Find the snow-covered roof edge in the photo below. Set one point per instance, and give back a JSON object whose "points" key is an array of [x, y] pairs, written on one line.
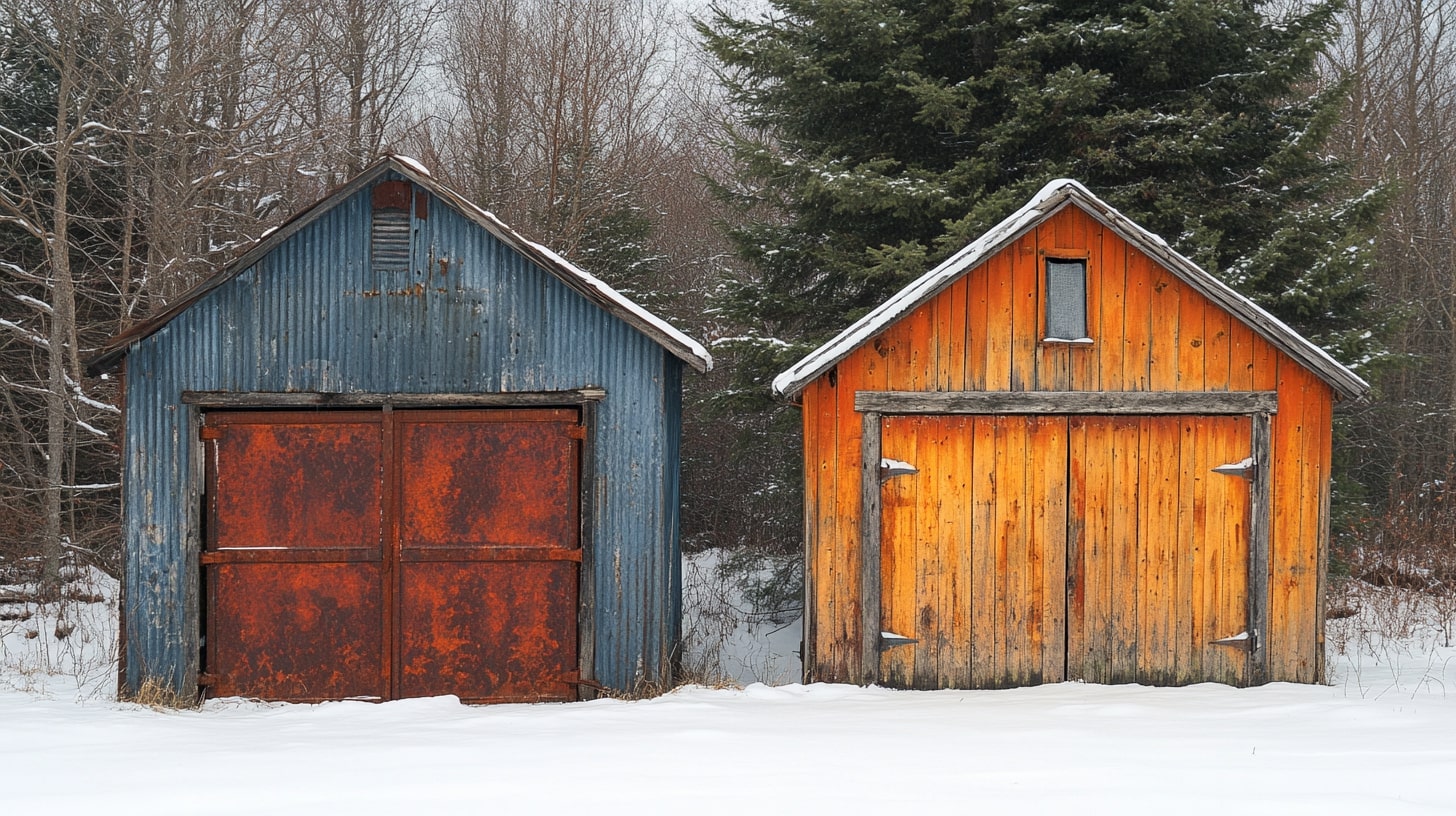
{"points": [[593, 288], [1043, 205]]}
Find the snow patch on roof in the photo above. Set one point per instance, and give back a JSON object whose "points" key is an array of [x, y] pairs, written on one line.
{"points": [[630, 305], [413, 164]]}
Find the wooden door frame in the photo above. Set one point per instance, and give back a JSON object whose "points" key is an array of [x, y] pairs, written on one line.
{"points": [[585, 400], [872, 406]]}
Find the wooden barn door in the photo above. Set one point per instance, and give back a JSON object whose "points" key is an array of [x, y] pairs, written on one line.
{"points": [[392, 554], [1030, 549], [973, 567], [1160, 563]]}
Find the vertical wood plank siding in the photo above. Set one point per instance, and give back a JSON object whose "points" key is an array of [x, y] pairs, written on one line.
{"points": [[1151, 332], [471, 316]]}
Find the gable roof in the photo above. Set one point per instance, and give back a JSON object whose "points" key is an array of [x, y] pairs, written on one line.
{"points": [[584, 283], [1052, 198]]}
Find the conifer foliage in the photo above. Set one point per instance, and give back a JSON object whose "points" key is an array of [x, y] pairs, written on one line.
{"points": [[878, 136]]}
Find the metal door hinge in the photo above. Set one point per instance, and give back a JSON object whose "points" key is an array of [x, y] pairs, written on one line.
{"points": [[576, 431], [889, 640], [1247, 469], [890, 468], [1247, 641], [209, 432]]}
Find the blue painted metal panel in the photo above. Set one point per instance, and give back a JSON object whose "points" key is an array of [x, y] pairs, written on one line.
{"points": [[471, 316]]}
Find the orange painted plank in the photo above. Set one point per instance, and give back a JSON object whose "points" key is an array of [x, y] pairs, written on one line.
{"points": [[985, 579], [1267, 361], [1217, 347], [998, 320], [1192, 339], [1194, 520], [1185, 546], [1165, 333], [1222, 525], [930, 483], [977, 328], [818, 407], [1137, 322], [1125, 498], [1025, 295], [837, 654], [1010, 484], [1052, 562], [951, 318], [1026, 556], [1241, 356], [1111, 289], [955, 554], [1080, 578], [897, 551]]}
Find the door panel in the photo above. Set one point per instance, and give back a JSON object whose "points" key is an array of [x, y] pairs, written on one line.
{"points": [[491, 631], [489, 554], [291, 631], [1032, 549], [973, 571], [1160, 554], [293, 561]]}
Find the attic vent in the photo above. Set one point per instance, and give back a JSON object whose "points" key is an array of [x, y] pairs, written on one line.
{"points": [[389, 231]]}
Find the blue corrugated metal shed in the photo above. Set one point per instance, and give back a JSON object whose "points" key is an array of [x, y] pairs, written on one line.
{"points": [[305, 314]]}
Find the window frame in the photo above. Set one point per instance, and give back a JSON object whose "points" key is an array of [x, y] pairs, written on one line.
{"points": [[1071, 256]]}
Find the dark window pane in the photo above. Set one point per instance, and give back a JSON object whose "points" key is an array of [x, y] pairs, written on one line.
{"points": [[1066, 305]]}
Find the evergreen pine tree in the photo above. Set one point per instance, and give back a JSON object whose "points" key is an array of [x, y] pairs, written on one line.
{"points": [[878, 136]]}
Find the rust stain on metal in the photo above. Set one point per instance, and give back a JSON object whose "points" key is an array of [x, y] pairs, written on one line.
{"points": [[391, 195], [288, 480]]}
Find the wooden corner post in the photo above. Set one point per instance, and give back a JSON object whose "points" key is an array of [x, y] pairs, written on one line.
{"points": [[869, 542]]}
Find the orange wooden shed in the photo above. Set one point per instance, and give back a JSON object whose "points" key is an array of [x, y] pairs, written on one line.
{"points": [[1066, 453]]}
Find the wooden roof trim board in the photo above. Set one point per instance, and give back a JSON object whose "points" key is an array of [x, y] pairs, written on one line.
{"points": [[584, 283], [1046, 203]]}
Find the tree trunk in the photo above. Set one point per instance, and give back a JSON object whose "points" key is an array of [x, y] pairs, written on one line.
{"points": [[62, 346]]}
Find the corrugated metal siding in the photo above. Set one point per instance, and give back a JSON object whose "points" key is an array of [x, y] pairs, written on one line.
{"points": [[471, 316]]}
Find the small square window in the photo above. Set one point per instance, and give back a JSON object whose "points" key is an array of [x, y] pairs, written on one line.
{"points": [[1066, 301]]}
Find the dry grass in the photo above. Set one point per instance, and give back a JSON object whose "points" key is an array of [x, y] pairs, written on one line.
{"points": [[156, 695]]}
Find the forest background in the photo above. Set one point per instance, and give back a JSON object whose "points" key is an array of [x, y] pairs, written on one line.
{"points": [[144, 142]]}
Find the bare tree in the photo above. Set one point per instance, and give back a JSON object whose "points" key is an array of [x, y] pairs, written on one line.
{"points": [[358, 62], [56, 214]]}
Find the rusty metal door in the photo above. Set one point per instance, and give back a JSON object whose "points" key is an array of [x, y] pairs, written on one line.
{"points": [[293, 566], [392, 554], [489, 554]]}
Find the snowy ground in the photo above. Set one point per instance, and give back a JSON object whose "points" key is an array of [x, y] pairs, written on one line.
{"points": [[1380, 739]]}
